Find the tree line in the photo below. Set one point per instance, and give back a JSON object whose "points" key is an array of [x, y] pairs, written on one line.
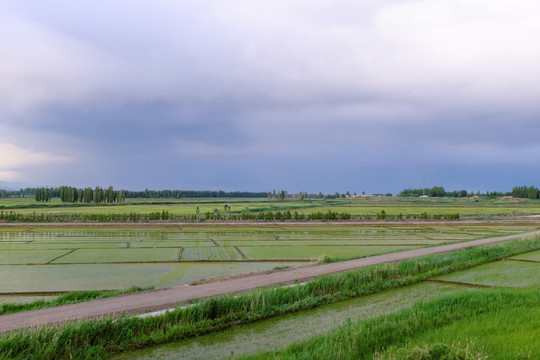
{"points": [[99, 195], [28, 192], [88, 195], [177, 194], [436, 191], [43, 194], [525, 192]]}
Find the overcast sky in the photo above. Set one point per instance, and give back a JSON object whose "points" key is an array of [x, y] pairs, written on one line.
{"points": [[303, 95]]}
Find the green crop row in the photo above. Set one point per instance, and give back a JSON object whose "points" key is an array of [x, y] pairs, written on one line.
{"points": [[98, 339], [164, 215]]}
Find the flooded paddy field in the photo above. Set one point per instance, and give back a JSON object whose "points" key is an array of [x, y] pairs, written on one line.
{"points": [[36, 261]]}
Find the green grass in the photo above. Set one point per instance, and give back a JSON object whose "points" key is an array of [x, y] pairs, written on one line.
{"points": [[468, 207], [98, 338], [465, 313], [511, 333]]}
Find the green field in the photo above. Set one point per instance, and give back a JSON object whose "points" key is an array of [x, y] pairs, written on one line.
{"points": [[471, 207], [36, 260]]}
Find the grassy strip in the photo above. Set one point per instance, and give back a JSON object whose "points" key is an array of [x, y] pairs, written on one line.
{"points": [[64, 299], [367, 339], [97, 339], [506, 334]]}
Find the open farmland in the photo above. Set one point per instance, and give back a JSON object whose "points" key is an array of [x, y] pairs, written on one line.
{"points": [[185, 209], [211, 314], [277, 333], [43, 260]]}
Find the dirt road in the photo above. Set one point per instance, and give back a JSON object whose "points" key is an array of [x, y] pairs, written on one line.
{"points": [[168, 297]]}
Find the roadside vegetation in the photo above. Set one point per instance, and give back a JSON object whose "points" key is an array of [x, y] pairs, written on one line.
{"points": [[64, 299], [96, 339]]}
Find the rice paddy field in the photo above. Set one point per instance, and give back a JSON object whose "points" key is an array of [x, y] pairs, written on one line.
{"points": [[507, 334], [37, 261]]}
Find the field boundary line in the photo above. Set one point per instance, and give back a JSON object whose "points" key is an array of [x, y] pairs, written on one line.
{"points": [[61, 256], [524, 260], [180, 253], [462, 283], [240, 252]]}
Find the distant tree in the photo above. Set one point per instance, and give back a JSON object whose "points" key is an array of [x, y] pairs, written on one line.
{"points": [[110, 194], [99, 195], [38, 195], [120, 196]]}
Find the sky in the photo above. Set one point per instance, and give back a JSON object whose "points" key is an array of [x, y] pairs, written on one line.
{"points": [[255, 95]]}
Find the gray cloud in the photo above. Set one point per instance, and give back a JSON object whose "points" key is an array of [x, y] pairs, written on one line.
{"points": [[249, 94]]}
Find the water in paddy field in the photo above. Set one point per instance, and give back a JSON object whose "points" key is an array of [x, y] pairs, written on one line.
{"points": [[276, 333], [37, 260]]}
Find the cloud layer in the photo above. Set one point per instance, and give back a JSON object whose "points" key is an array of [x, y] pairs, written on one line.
{"points": [[319, 95]]}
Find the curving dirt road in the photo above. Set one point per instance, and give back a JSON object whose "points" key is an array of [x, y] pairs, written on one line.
{"points": [[168, 297]]}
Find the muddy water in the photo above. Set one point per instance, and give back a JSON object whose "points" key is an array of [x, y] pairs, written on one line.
{"points": [[277, 333]]}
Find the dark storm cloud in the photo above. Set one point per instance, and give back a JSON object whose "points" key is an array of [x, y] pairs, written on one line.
{"points": [[157, 123], [317, 96]]}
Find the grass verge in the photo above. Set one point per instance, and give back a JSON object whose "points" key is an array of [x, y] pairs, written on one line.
{"points": [[445, 319], [98, 339]]}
